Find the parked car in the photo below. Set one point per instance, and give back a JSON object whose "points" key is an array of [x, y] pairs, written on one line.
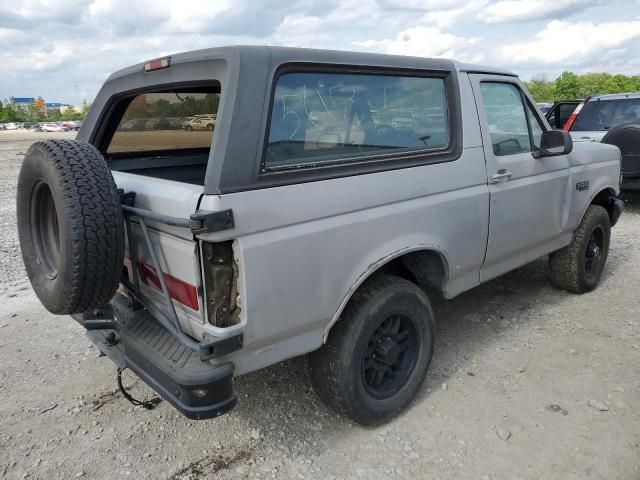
{"points": [[275, 242], [52, 127], [558, 114], [200, 122], [544, 107], [134, 124], [612, 119], [158, 123]]}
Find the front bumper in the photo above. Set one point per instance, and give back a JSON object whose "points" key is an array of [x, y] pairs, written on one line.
{"points": [[139, 342]]}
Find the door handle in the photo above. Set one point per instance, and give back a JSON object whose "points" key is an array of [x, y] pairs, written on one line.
{"points": [[501, 176]]}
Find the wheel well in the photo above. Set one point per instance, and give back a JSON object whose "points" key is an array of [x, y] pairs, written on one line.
{"points": [[603, 198], [425, 268]]}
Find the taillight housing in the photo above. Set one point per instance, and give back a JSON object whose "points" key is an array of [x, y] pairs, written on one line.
{"points": [[179, 290], [157, 64], [572, 118]]}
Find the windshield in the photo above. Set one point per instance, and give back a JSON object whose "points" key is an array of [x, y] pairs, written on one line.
{"points": [[602, 115], [166, 121]]}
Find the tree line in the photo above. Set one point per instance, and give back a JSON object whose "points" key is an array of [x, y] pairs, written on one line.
{"points": [[570, 86], [31, 114]]}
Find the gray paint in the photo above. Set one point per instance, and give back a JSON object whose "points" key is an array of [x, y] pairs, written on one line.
{"points": [[304, 247]]}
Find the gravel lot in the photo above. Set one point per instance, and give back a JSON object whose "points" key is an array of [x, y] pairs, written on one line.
{"points": [[526, 382]]}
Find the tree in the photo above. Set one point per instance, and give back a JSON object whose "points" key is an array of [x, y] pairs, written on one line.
{"points": [[571, 86], [567, 86], [541, 89]]}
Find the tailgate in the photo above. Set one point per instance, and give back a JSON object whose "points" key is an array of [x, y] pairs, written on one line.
{"points": [[174, 246]]}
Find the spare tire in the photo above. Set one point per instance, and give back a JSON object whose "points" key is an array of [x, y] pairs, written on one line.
{"points": [[627, 138], [70, 225]]}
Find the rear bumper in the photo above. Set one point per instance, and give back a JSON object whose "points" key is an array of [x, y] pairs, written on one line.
{"points": [[140, 343]]}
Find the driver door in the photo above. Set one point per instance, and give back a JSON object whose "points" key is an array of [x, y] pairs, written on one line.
{"points": [[529, 197]]}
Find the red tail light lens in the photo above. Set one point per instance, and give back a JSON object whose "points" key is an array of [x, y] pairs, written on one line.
{"points": [[572, 118], [157, 64], [179, 290]]}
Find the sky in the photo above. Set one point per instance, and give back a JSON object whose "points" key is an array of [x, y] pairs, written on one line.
{"points": [[64, 50]]}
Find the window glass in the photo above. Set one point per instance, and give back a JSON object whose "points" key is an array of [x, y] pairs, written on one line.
{"points": [[506, 118], [166, 121], [536, 127], [599, 115], [320, 117], [565, 112]]}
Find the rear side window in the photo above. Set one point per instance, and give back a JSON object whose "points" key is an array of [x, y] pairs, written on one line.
{"points": [[166, 122], [599, 115], [332, 117]]}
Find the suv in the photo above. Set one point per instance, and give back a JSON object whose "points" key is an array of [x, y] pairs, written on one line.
{"points": [[200, 122], [337, 194], [612, 119]]}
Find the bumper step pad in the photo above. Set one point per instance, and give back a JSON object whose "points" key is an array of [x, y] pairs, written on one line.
{"points": [[198, 390]]}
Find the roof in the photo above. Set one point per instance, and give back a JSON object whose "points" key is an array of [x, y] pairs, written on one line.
{"points": [[56, 105], [298, 55], [615, 96], [23, 99]]}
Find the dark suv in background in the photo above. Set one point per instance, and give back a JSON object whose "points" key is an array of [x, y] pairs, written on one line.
{"points": [[612, 119]]}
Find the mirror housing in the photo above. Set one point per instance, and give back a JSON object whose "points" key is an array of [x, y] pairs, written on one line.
{"points": [[554, 142]]}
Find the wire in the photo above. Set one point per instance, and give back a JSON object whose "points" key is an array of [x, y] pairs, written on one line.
{"points": [[147, 404]]}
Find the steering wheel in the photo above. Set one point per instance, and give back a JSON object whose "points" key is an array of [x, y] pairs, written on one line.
{"points": [[508, 140]]}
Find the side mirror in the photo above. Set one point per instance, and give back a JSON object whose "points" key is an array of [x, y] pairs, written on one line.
{"points": [[554, 142]]}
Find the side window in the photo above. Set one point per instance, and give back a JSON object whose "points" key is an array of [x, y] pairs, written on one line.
{"points": [[333, 117], [536, 127], [506, 118]]}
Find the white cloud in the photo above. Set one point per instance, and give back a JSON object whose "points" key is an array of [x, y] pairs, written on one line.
{"points": [[562, 42], [426, 42], [49, 46], [529, 10]]}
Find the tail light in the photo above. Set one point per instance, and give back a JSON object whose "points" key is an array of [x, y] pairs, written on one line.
{"points": [[572, 118], [157, 64], [179, 290]]}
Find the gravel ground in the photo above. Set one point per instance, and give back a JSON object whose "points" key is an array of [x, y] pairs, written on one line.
{"points": [[526, 382]]}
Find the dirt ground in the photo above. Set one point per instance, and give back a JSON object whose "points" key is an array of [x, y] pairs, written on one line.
{"points": [[527, 382]]}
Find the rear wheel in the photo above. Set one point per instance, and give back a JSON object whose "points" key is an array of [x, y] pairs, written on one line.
{"points": [[578, 267], [378, 353], [210, 127], [188, 128]]}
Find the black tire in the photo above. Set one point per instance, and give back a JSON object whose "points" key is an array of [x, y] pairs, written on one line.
{"points": [[210, 127], [188, 128], [365, 341], [627, 138], [578, 267], [70, 225]]}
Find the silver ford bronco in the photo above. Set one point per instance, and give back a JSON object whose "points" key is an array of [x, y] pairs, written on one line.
{"points": [[332, 195]]}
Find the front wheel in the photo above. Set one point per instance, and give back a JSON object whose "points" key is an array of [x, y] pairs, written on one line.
{"points": [[578, 267], [378, 353]]}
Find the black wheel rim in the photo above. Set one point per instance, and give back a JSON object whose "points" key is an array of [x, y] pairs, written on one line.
{"points": [[594, 253], [391, 355], [44, 229]]}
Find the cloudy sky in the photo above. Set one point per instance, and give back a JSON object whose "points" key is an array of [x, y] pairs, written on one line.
{"points": [[64, 50]]}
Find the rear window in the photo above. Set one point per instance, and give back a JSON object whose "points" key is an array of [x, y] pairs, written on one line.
{"points": [[166, 121], [601, 115], [330, 117]]}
